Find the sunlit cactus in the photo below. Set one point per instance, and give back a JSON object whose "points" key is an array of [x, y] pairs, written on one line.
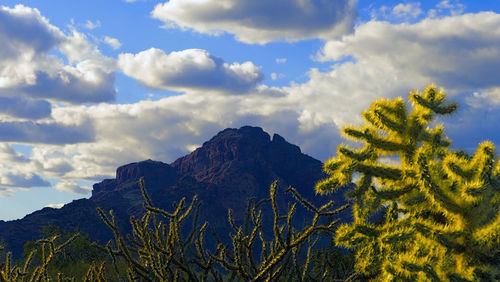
{"points": [[441, 207]]}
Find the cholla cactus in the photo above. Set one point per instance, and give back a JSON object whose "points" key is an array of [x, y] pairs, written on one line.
{"points": [[48, 250], [158, 251], [442, 207], [280, 257]]}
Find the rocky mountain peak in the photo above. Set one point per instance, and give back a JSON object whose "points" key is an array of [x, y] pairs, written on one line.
{"points": [[233, 166]]}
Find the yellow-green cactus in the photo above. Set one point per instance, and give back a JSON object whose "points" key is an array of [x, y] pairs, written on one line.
{"points": [[442, 207]]}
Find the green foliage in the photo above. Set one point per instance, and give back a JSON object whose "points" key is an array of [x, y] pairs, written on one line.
{"points": [[442, 207]]}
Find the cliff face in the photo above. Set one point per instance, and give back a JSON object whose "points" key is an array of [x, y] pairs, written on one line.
{"points": [[233, 166]]}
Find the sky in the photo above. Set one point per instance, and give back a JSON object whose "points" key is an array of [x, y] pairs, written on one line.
{"points": [[87, 86]]}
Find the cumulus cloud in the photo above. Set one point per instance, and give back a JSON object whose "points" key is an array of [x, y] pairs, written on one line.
{"points": [[24, 107], [162, 130], [112, 42], [22, 180], [26, 27], [189, 69], [28, 67], [261, 21], [72, 187], [459, 53], [43, 132], [7, 153], [455, 52]]}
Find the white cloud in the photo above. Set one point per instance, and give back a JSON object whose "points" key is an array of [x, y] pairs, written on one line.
{"points": [[260, 21], [113, 42], [189, 69], [8, 154], [27, 29], [161, 129], [28, 68], [22, 180], [55, 206], [72, 187], [408, 10], [92, 25], [460, 52], [453, 6], [45, 132], [486, 98], [24, 107]]}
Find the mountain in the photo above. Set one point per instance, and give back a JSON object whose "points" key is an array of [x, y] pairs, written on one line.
{"points": [[227, 170]]}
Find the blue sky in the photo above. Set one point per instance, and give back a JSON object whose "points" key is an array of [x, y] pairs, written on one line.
{"points": [[87, 86]]}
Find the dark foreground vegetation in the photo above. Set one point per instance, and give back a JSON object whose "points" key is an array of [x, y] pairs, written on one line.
{"points": [[429, 213], [157, 250]]}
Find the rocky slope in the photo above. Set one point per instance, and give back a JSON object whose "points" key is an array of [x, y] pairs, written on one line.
{"points": [[233, 166]]}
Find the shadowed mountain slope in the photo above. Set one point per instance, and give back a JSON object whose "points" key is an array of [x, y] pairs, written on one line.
{"points": [[230, 168]]}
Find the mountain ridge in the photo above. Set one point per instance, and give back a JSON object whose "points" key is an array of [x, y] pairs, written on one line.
{"points": [[233, 166]]}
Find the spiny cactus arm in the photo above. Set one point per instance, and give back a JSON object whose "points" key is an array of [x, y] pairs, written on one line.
{"points": [[327, 185], [484, 159], [274, 204], [432, 190], [433, 100], [194, 228], [239, 256], [189, 208], [289, 223], [307, 262], [342, 168], [458, 168], [395, 192], [488, 237], [122, 250], [347, 236], [299, 239], [144, 192], [165, 213], [27, 263], [347, 154], [230, 219], [275, 274], [389, 115], [8, 273], [221, 257], [384, 144], [381, 171]]}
